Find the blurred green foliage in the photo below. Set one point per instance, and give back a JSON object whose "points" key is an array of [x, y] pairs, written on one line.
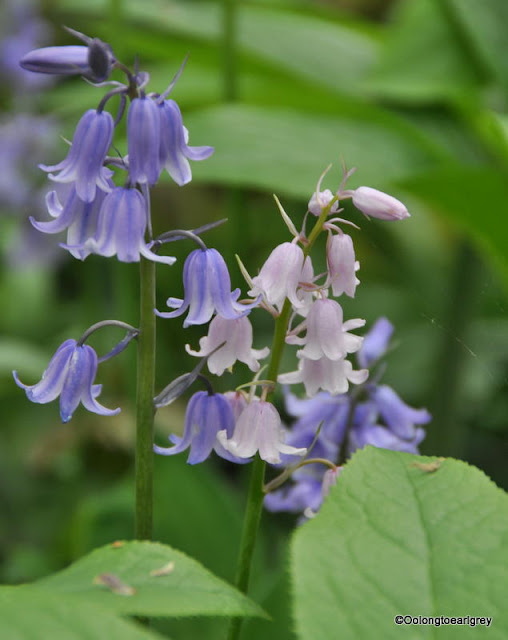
{"points": [[415, 95]]}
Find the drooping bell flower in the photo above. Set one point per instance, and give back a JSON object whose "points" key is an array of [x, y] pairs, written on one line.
{"points": [[84, 162], [207, 288], [143, 141], [342, 264], [399, 417], [70, 375], [237, 336], [367, 431], [375, 343], [121, 227], [376, 204], [259, 429], [280, 276], [206, 415], [329, 375], [75, 215], [174, 151], [327, 335]]}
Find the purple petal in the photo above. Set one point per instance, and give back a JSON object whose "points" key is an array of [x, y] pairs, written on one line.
{"points": [[143, 140], [53, 377], [66, 60], [90, 391], [375, 342]]}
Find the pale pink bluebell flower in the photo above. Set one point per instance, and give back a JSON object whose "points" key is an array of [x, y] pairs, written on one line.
{"points": [[259, 430], [143, 141], [70, 375], [207, 288], [237, 336], [376, 204], [205, 416], [342, 264], [327, 335], [329, 375], [238, 402], [281, 275], [84, 162], [174, 151], [320, 200]]}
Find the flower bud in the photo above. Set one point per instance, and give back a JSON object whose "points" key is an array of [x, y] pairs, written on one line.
{"points": [[377, 204]]}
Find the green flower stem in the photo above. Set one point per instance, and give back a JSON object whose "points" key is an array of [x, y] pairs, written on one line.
{"points": [[257, 480], [144, 402]]}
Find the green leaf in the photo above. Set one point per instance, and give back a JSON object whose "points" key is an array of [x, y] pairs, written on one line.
{"points": [[29, 614], [398, 535], [187, 590], [484, 26], [422, 60], [286, 150], [335, 55], [474, 198]]}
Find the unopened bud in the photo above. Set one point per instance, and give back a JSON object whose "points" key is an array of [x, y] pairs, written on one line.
{"points": [[376, 204]]}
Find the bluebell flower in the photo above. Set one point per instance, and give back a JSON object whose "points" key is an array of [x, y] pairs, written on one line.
{"points": [[94, 61], [206, 415], [67, 60], [398, 416], [75, 215], [325, 412], [143, 141], [175, 153], [366, 431], [375, 343], [84, 162], [259, 429], [207, 287], [70, 375], [121, 227], [304, 494]]}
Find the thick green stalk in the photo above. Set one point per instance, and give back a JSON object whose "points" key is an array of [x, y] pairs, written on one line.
{"points": [[144, 403], [256, 493]]}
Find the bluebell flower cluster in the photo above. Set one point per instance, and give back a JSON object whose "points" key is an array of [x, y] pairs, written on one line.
{"points": [[345, 408], [157, 140], [114, 220], [373, 415]]}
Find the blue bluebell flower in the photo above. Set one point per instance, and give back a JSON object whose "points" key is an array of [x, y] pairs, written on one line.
{"points": [[305, 493], [143, 141], [207, 287], [75, 215], [399, 417], [175, 153], [67, 60], [84, 162], [375, 343], [70, 375], [206, 415], [367, 431], [93, 61], [121, 227]]}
